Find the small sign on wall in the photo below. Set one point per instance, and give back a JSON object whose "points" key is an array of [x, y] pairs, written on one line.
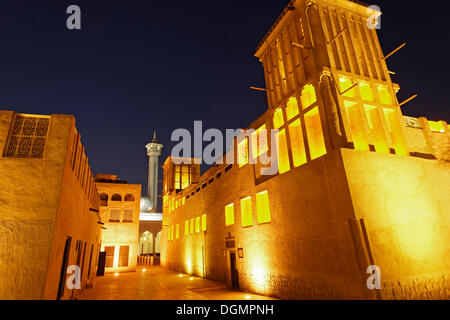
{"points": [[241, 253]]}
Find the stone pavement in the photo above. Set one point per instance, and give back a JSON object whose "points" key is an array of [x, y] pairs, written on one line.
{"points": [[157, 283]]}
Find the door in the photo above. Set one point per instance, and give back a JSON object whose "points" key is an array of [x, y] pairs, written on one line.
{"points": [[101, 263], [233, 269], [65, 261]]}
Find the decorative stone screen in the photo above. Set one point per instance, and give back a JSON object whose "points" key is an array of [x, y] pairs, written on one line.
{"points": [[28, 136], [114, 215], [127, 215]]}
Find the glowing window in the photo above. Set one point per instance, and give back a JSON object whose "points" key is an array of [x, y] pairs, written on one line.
{"points": [[259, 142], [283, 156], [278, 119], [176, 204], [315, 134], [229, 215], [197, 224], [192, 226], [308, 97], [243, 152], [345, 84], [436, 126], [297, 143], [246, 212], [376, 129], [183, 201], [177, 231], [356, 126], [395, 131], [262, 207], [366, 91], [291, 108], [186, 227], [171, 232], [385, 96], [204, 222]]}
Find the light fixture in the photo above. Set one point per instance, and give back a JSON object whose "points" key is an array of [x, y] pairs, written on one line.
{"points": [[143, 270], [191, 278], [248, 297], [116, 274]]}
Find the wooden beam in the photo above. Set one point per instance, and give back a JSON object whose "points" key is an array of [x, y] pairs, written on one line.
{"points": [[408, 100], [336, 36], [300, 45], [390, 54], [259, 89]]}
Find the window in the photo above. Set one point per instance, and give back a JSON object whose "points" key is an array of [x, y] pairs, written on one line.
{"points": [[204, 222], [129, 197], [197, 224], [114, 215], [186, 227], [366, 91], [395, 131], [127, 215], [308, 97], [243, 152], [177, 231], [262, 207], [28, 137], [103, 199], [291, 108], [259, 142], [345, 84], [123, 256], [297, 143], [183, 201], [436, 126], [229, 215], [116, 197], [376, 128], [109, 263], [192, 226], [172, 229], [315, 133], [278, 119], [385, 95], [357, 130], [246, 212], [283, 156]]}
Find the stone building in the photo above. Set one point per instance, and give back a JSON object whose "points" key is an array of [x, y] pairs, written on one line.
{"points": [[49, 204], [358, 184], [119, 210]]}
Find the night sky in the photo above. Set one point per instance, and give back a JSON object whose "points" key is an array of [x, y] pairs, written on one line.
{"points": [[138, 66]]}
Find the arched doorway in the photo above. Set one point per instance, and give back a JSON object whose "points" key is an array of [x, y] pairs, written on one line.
{"points": [[146, 243]]}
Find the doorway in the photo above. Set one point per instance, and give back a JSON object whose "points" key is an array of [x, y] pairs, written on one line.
{"points": [[233, 270], [62, 276]]}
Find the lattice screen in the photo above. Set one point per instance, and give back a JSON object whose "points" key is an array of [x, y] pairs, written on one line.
{"points": [[28, 137], [114, 215], [128, 215]]}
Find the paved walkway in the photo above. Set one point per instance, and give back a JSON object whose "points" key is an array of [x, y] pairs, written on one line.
{"points": [[157, 283]]}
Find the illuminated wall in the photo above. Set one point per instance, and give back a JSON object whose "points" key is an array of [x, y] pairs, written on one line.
{"points": [[120, 214], [354, 185], [48, 195]]}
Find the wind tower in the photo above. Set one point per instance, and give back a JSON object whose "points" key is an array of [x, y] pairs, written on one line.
{"points": [[153, 151]]}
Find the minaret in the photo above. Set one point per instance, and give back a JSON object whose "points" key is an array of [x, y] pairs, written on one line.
{"points": [[153, 151]]}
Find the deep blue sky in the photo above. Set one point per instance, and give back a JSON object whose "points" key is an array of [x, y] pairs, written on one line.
{"points": [[138, 66]]}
